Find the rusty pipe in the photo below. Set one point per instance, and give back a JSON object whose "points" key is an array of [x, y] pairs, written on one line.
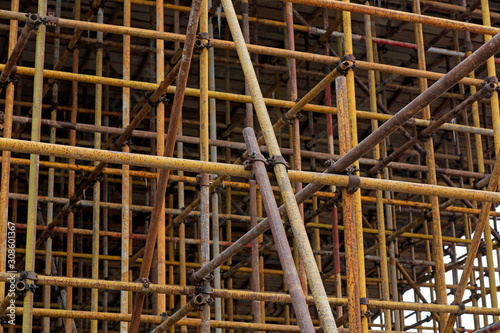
{"points": [[9, 68], [435, 125], [169, 79], [173, 126], [195, 302], [486, 51], [279, 234]]}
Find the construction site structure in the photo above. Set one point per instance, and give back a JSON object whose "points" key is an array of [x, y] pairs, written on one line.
{"points": [[249, 166]]}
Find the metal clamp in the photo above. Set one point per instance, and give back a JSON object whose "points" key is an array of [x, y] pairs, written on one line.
{"points": [[4, 322], [33, 21], [204, 288], [461, 308], [164, 100], [283, 79], [71, 50], [354, 180], [12, 78], [208, 277], [491, 83], [22, 285], [364, 301], [199, 44], [482, 248], [425, 138], [277, 159], [252, 157], [163, 316], [204, 179], [330, 162], [50, 20], [410, 121], [289, 121], [146, 283], [366, 313], [94, 9], [147, 96], [128, 142], [200, 299], [346, 63], [28, 275], [53, 106]]}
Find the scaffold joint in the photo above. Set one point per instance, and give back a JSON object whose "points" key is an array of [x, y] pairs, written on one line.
{"points": [[277, 159], [26, 282], [163, 316], [72, 49], [50, 20], [204, 288], [93, 8], [491, 83], [150, 101], [33, 21], [252, 157], [146, 283], [204, 179], [30, 275], [354, 180], [366, 313], [289, 121], [195, 281], [345, 63], [199, 44], [461, 308]]}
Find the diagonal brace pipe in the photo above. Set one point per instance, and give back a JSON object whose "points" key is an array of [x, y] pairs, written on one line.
{"points": [[279, 234], [175, 119]]}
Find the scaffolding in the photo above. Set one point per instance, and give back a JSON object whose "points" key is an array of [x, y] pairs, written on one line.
{"points": [[219, 166]]}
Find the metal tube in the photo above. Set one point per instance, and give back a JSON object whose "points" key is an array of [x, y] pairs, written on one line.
{"points": [[15, 52], [317, 288], [416, 105], [160, 149], [238, 170], [71, 48], [124, 275], [97, 186], [437, 242], [495, 117], [369, 31], [252, 48], [244, 99], [169, 149], [5, 169], [435, 125], [204, 156], [348, 213], [483, 220], [31, 219], [399, 15], [279, 235], [195, 302], [117, 145]]}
